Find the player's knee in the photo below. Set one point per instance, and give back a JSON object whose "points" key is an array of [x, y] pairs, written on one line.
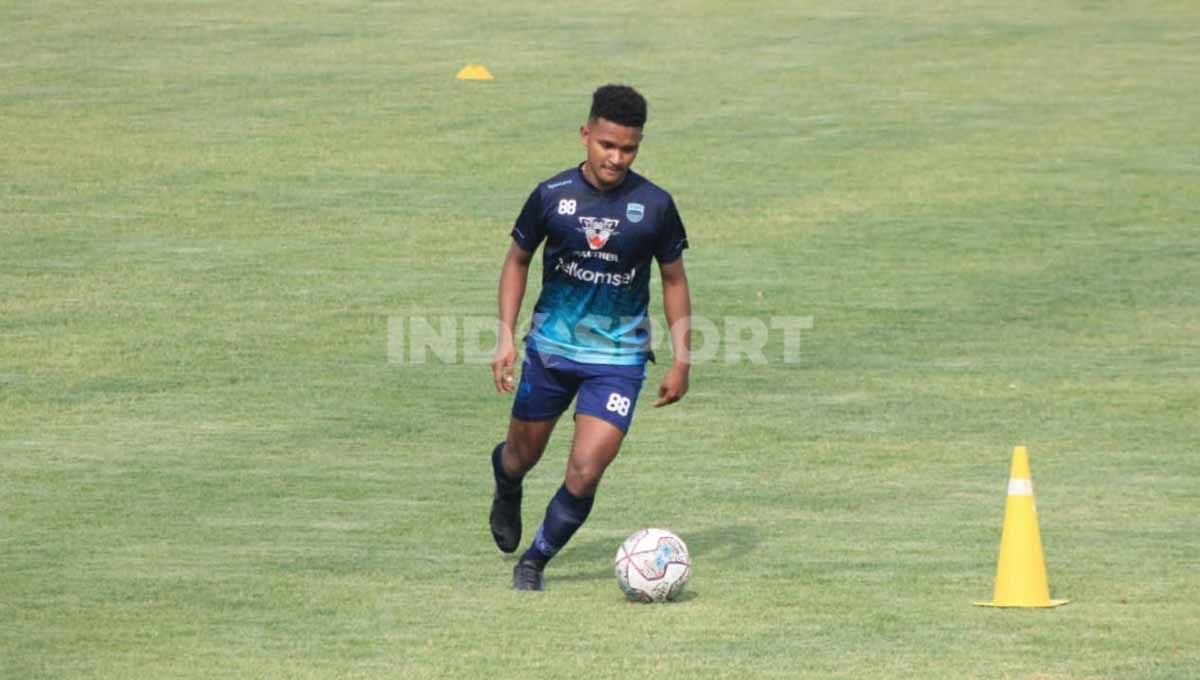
{"points": [[583, 478], [523, 453]]}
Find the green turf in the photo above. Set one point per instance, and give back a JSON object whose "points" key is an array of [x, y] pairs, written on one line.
{"points": [[210, 213]]}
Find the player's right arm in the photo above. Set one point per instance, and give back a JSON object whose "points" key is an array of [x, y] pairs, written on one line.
{"points": [[513, 276]]}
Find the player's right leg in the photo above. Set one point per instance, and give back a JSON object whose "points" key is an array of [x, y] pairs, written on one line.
{"points": [[511, 459], [542, 396]]}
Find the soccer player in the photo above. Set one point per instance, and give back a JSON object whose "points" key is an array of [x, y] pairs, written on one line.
{"points": [[590, 339]]}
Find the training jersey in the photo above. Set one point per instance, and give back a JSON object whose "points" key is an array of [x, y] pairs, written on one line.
{"points": [[596, 264]]}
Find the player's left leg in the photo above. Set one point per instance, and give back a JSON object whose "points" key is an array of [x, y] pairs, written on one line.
{"points": [[594, 447], [603, 414]]}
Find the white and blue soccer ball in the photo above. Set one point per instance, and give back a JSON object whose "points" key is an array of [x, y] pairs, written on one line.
{"points": [[653, 565]]}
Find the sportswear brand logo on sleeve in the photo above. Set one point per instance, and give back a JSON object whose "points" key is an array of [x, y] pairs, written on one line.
{"points": [[635, 212], [598, 230], [556, 185]]}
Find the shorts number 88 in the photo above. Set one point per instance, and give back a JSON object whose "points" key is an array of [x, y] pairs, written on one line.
{"points": [[618, 404]]}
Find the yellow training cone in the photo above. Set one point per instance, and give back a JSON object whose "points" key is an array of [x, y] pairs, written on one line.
{"points": [[474, 72], [1021, 571]]}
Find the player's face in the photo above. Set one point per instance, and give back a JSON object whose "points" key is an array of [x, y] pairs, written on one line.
{"points": [[611, 149]]}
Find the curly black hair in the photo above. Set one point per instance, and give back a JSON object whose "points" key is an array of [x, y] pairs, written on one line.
{"points": [[620, 104]]}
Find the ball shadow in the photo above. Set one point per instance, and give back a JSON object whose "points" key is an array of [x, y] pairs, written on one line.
{"points": [[715, 545]]}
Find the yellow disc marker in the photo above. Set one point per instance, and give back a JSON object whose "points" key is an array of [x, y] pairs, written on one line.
{"points": [[474, 72]]}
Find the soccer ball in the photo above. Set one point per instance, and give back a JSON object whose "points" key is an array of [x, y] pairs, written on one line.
{"points": [[653, 566]]}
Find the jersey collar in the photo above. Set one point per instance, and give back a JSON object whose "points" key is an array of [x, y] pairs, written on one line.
{"points": [[611, 192]]}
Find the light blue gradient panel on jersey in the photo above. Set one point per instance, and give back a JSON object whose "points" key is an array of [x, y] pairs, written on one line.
{"points": [[593, 323]]}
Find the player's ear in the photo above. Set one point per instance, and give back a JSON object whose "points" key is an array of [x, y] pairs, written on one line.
{"points": [[583, 134]]}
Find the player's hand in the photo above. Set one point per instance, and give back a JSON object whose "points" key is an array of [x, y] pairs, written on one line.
{"points": [[674, 385], [502, 366]]}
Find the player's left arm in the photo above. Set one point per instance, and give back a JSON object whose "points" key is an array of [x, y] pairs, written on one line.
{"points": [[677, 305]]}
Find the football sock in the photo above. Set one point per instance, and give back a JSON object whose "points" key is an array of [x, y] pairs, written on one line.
{"points": [[564, 515], [505, 484]]}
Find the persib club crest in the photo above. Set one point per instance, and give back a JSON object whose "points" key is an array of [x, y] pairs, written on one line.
{"points": [[635, 212], [598, 230]]}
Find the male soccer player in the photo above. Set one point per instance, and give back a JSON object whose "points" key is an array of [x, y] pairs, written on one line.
{"points": [[589, 340]]}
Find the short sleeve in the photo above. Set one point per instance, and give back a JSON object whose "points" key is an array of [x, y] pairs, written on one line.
{"points": [[672, 238], [530, 227]]}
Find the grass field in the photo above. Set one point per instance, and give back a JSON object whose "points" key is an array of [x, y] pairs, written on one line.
{"points": [[212, 212]]}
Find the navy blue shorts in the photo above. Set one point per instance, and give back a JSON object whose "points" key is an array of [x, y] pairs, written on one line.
{"points": [[549, 383]]}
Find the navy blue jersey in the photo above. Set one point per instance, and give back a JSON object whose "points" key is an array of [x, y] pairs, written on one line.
{"points": [[596, 264]]}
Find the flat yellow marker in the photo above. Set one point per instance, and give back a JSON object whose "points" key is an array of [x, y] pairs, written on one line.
{"points": [[474, 72]]}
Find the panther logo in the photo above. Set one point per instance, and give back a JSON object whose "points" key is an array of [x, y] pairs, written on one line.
{"points": [[598, 230]]}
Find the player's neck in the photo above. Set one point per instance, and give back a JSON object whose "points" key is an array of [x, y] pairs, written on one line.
{"points": [[594, 182]]}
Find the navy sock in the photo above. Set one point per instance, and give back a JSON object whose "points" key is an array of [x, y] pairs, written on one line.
{"points": [[505, 484], [564, 515]]}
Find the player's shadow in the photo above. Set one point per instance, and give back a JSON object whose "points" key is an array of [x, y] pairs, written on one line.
{"points": [[708, 546]]}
